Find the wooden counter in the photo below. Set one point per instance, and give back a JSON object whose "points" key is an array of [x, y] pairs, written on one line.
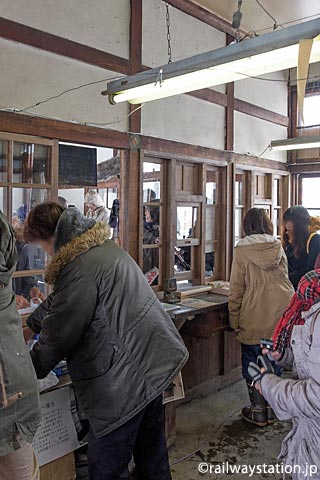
{"points": [[214, 353]]}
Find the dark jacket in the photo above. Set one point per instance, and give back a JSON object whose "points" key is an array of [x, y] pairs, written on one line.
{"points": [[121, 347], [22, 414], [305, 263]]}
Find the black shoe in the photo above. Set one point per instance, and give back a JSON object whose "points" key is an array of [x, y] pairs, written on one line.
{"points": [[270, 415], [256, 412]]}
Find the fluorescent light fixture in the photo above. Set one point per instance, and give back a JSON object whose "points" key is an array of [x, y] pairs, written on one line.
{"points": [[296, 143], [253, 57]]}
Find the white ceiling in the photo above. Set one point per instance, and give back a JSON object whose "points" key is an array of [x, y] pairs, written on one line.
{"points": [[254, 18]]}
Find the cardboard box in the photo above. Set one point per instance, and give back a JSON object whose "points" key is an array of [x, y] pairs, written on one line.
{"points": [[63, 468]]}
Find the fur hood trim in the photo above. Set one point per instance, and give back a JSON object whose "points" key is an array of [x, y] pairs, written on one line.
{"points": [[94, 237]]}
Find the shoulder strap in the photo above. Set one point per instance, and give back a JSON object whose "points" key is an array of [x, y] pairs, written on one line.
{"points": [[309, 240]]}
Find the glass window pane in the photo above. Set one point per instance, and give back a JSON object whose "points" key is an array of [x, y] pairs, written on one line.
{"points": [[151, 225], [310, 192], [151, 261], [239, 191], [187, 225], [209, 261], [276, 192], [112, 195], [74, 197], [211, 188], [151, 182], [3, 161], [23, 200], [3, 200], [210, 224], [311, 110], [238, 224], [31, 287], [182, 259], [31, 163], [277, 222]]}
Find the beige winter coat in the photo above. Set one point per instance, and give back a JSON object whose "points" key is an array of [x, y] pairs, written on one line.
{"points": [[259, 287]]}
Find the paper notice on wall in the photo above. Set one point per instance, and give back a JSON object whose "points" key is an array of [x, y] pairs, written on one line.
{"points": [[56, 435]]}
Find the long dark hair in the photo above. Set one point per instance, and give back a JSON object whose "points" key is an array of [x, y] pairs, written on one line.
{"points": [[256, 222], [301, 219]]}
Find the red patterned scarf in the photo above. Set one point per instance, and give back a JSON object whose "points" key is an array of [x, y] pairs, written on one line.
{"points": [[307, 293]]}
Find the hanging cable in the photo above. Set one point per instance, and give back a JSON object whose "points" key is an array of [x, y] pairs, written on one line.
{"points": [[264, 151], [120, 120], [275, 25], [84, 124], [168, 33], [297, 20], [72, 89]]}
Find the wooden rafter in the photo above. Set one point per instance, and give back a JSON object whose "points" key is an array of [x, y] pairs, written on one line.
{"points": [[33, 37]]}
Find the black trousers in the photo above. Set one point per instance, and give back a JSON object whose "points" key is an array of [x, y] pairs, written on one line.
{"points": [[142, 437]]}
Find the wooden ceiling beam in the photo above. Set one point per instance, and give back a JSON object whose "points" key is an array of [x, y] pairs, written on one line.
{"points": [[204, 15], [72, 132], [64, 131], [17, 32], [260, 112], [20, 33]]}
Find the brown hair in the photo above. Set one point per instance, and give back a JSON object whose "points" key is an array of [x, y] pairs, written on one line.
{"points": [[301, 220], [256, 222], [42, 221]]}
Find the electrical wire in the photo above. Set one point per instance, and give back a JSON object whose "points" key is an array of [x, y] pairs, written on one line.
{"points": [[267, 148], [255, 33], [117, 121], [276, 79], [72, 89], [275, 25], [41, 102], [315, 15], [84, 124]]}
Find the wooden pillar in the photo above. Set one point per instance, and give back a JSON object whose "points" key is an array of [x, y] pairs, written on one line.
{"points": [[131, 159], [230, 217], [229, 122]]}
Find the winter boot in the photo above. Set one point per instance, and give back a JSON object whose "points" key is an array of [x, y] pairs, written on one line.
{"points": [[256, 412], [270, 415]]}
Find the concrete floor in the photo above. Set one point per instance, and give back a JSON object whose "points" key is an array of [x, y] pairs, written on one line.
{"points": [[215, 424]]}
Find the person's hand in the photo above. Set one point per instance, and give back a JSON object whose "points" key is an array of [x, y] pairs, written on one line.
{"points": [[257, 385], [35, 293], [21, 302], [274, 355], [27, 334]]}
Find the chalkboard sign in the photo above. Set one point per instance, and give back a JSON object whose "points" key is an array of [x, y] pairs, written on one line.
{"points": [[77, 166]]}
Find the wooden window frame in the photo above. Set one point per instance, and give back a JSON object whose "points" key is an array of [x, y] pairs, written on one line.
{"points": [[9, 185], [162, 220]]}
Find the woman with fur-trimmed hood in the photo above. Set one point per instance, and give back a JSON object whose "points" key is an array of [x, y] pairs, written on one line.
{"points": [[121, 347]]}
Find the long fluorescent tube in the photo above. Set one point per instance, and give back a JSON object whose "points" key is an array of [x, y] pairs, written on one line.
{"points": [[296, 143], [265, 54]]}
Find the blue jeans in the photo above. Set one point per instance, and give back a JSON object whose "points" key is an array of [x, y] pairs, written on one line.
{"points": [[250, 353], [142, 437]]}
